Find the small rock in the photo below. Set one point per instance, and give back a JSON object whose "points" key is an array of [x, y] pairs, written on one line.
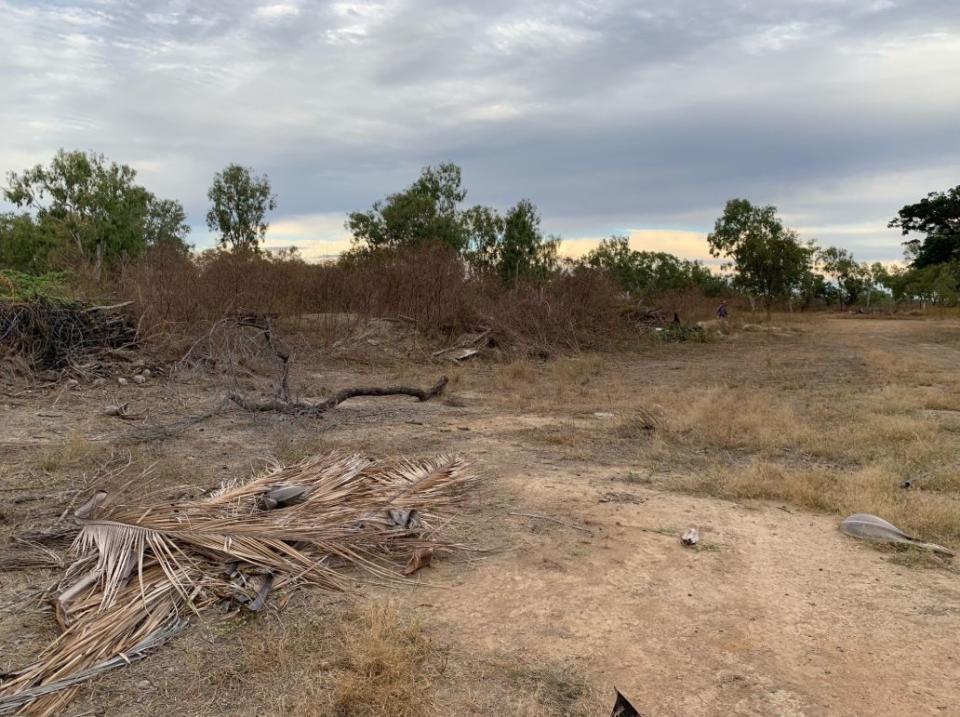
{"points": [[72, 383], [139, 379], [121, 381], [691, 537], [144, 684], [603, 414], [99, 381], [146, 373]]}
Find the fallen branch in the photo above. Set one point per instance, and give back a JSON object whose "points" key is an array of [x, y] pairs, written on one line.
{"points": [[300, 408], [156, 433]]}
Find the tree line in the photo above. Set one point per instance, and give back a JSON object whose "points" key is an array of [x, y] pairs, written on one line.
{"points": [[82, 208]]}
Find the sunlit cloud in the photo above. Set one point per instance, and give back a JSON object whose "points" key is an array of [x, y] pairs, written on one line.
{"points": [[684, 244], [278, 10], [316, 236]]}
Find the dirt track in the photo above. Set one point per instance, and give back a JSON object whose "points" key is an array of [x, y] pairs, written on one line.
{"points": [[776, 613]]}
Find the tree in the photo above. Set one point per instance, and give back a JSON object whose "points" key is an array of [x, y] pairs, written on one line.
{"points": [[166, 225], [937, 217], [523, 252], [851, 279], [813, 287], [646, 272], [484, 228], [89, 204], [768, 260], [24, 245], [240, 201], [427, 211], [510, 246]]}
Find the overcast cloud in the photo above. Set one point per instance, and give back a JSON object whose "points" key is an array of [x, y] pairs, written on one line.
{"points": [[612, 116]]}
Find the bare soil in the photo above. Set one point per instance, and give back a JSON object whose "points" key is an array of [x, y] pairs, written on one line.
{"points": [[773, 613]]}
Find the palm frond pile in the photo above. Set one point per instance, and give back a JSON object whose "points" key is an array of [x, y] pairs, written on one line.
{"points": [[143, 570]]}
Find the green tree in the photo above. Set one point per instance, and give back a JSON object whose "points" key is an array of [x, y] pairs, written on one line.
{"points": [[240, 201], [768, 259], [650, 273], [166, 225], [812, 288], [427, 211], [523, 252], [484, 229], [25, 246], [851, 279], [937, 284], [89, 204], [937, 217]]}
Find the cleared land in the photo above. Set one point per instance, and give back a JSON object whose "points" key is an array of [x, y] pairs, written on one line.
{"points": [[762, 440]]}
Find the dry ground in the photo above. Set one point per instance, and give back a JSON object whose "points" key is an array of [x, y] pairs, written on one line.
{"points": [[762, 440]]}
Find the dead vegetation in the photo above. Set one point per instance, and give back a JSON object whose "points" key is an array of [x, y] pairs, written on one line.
{"points": [[56, 334], [808, 420], [428, 289], [814, 416], [143, 569]]}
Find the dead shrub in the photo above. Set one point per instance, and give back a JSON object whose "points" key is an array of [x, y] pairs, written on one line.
{"points": [[431, 288], [387, 665]]}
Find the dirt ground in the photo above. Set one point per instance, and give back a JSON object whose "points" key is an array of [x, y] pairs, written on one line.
{"points": [[592, 467]]}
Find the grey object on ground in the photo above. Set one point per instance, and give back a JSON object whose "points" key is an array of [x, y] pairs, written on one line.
{"points": [[871, 527]]}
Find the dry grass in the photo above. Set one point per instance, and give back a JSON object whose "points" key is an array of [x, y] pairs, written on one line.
{"points": [[75, 452], [558, 688], [387, 665], [827, 418]]}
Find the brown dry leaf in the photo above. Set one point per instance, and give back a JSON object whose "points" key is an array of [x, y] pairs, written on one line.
{"points": [[421, 558]]}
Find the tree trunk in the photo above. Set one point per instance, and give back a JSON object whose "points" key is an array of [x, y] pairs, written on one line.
{"points": [[98, 263]]}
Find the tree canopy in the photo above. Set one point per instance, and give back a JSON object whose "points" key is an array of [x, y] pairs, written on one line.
{"points": [[92, 207], [240, 201], [937, 217], [851, 278], [647, 272], [511, 246], [427, 210], [768, 259]]}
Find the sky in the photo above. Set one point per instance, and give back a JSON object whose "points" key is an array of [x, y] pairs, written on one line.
{"points": [[612, 116]]}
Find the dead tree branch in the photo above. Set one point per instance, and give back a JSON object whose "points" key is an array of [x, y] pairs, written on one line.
{"points": [[300, 408]]}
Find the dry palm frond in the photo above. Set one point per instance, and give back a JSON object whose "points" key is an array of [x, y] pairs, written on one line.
{"points": [[143, 569]]}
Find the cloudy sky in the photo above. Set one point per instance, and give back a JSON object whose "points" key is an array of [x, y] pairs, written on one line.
{"points": [[613, 116]]}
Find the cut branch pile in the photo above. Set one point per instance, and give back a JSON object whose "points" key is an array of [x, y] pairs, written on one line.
{"points": [[54, 335], [142, 570]]}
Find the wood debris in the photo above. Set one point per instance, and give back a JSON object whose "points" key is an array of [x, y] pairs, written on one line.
{"points": [[142, 569]]}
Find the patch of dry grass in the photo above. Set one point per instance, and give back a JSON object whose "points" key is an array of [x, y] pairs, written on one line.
{"points": [[387, 665], [75, 452], [827, 419], [557, 687]]}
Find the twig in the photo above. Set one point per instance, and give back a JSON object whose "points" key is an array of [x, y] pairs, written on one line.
{"points": [[552, 520], [109, 308], [153, 433]]}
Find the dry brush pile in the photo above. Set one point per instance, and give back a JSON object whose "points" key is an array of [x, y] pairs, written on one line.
{"points": [[142, 571], [54, 334]]}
